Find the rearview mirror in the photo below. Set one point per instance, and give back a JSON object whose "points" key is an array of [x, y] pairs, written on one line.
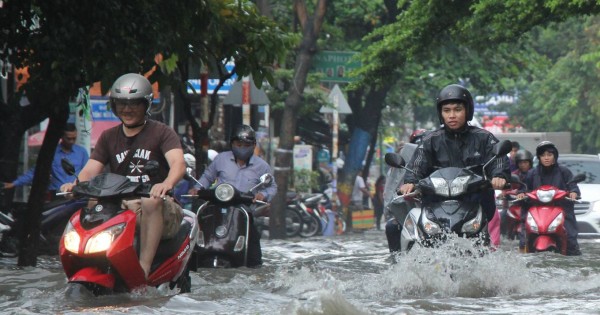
{"points": [[502, 148], [67, 166], [394, 160], [578, 178], [151, 168], [266, 179], [189, 173]]}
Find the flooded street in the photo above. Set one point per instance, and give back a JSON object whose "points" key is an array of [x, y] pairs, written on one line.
{"points": [[350, 274]]}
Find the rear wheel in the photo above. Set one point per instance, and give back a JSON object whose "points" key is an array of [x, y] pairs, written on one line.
{"points": [[311, 226], [293, 222]]}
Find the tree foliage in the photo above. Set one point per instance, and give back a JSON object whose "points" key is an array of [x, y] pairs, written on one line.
{"points": [[568, 88], [68, 44]]}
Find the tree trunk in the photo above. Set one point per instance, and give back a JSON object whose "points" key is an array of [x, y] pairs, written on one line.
{"points": [[14, 121], [364, 131], [29, 236], [283, 155]]}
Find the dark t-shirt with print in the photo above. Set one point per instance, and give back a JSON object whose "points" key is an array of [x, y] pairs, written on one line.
{"points": [[151, 143]]}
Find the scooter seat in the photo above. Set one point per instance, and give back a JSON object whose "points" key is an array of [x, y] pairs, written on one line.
{"points": [[290, 195]]}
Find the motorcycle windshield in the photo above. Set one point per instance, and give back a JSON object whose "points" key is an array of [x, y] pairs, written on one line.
{"points": [[106, 185], [395, 176]]}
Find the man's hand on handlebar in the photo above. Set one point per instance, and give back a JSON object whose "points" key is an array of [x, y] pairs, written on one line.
{"points": [[160, 190], [406, 188], [498, 182], [259, 197]]}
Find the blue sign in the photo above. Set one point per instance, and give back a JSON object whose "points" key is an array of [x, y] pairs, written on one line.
{"points": [[212, 83], [101, 112]]}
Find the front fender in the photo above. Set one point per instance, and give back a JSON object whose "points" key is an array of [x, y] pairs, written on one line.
{"points": [[544, 243], [93, 275]]}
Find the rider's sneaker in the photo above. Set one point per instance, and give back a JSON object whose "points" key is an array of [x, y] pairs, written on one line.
{"points": [[574, 252]]}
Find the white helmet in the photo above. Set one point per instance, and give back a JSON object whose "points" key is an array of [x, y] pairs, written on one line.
{"points": [[190, 160]]}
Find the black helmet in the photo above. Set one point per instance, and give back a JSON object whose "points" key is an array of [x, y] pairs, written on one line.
{"points": [[524, 155], [244, 133], [455, 92], [131, 86], [417, 136], [546, 146]]}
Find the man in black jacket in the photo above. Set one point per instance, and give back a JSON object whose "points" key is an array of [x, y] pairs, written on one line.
{"points": [[457, 144]]}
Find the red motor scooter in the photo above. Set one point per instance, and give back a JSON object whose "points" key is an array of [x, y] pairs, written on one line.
{"points": [[511, 212], [100, 247], [544, 225]]}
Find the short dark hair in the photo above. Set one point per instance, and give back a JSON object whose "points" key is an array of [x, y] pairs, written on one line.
{"points": [[515, 144], [70, 127]]}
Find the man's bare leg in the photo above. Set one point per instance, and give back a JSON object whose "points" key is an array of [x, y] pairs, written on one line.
{"points": [[150, 231]]}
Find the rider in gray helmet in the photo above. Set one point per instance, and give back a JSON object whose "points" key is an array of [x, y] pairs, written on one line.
{"points": [[131, 88]]}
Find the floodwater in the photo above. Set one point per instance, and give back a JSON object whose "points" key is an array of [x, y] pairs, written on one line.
{"points": [[348, 274]]}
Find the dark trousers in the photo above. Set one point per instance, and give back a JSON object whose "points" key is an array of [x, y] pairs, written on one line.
{"points": [[392, 233]]}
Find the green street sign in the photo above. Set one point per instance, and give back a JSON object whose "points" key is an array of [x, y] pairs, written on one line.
{"points": [[335, 65]]}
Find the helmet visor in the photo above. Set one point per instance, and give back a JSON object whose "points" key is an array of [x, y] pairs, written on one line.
{"points": [[133, 103]]}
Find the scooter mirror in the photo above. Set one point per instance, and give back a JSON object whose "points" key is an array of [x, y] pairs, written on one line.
{"points": [[394, 160], [578, 178], [67, 166], [514, 178], [266, 179], [151, 168], [503, 148], [189, 173]]}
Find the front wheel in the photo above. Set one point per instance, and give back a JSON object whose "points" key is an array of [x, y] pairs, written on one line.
{"points": [[184, 282]]}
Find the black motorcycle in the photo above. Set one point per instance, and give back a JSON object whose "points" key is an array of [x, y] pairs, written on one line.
{"points": [[224, 217], [449, 203]]}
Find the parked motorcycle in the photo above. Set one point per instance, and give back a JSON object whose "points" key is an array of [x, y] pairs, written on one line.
{"points": [[54, 218], [308, 207], [445, 203], [544, 225], [293, 220], [224, 218], [100, 245]]}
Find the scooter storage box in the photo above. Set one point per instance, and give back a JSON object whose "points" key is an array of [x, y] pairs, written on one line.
{"points": [[363, 219]]}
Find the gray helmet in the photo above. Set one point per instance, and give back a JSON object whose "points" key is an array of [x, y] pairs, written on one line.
{"points": [[131, 86], [244, 133], [524, 155], [455, 92], [546, 146]]}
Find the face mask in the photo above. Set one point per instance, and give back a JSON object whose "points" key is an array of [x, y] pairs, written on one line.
{"points": [[242, 153]]}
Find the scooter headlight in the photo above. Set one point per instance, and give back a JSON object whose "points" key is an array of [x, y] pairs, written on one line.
{"points": [[545, 195], [556, 223], [224, 192], [441, 186], [473, 225], [71, 239], [102, 240], [459, 185], [531, 222]]}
